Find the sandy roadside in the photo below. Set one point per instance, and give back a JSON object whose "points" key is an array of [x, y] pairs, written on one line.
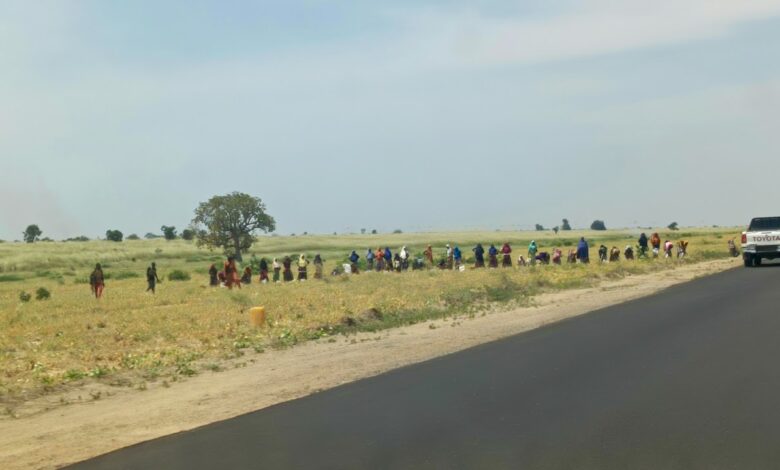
{"points": [[69, 433]]}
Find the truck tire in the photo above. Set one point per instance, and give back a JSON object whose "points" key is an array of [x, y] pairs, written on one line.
{"points": [[748, 259]]}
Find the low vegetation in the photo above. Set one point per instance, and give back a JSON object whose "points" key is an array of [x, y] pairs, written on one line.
{"points": [[187, 327]]}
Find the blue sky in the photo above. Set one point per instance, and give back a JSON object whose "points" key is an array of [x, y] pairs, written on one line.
{"points": [[413, 115]]}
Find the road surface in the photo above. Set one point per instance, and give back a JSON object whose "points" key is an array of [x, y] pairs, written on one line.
{"points": [[688, 378]]}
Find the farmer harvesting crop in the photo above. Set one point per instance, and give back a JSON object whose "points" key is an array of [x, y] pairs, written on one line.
{"points": [[97, 281], [302, 264], [642, 245], [318, 266], [603, 253], [263, 271], [532, 249], [493, 256], [506, 251], [629, 253], [582, 251], [428, 253], [369, 260], [404, 258], [457, 256], [277, 267], [479, 256], [655, 241], [287, 263], [668, 248], [246, 278], [353, 262], [151, 278], [380, 259], [213, 279], [231, 273], [388, 259]]}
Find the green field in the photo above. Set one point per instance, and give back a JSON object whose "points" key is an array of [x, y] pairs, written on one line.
{"points": [[188, 326]]}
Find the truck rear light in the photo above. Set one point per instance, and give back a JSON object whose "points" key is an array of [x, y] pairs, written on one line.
{"points": [[744, 237]]}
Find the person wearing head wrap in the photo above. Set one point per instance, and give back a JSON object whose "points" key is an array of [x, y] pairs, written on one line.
{"points": [[428, 253], [655, 242], [493, 256], [247, 277], [97, 281], [263, 271], [479, 256], [388, 259], [582, 251], [277, 267], [404, 254], [380, 259], [603, 253], [506, 251], [302, 267], [629, 252], [318, 266], [213, 279], [457, 256], [287, 275], [642, 245], [532, 249], [370, 259]]}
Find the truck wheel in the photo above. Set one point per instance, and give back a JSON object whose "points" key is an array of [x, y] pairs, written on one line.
{"points": [[748, 259]]}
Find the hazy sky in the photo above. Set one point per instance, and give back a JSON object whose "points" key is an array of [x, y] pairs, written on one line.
{"points": [[388, 114]]}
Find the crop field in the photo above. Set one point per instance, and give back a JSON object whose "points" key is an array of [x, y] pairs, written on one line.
{"points": [[188, 327]]}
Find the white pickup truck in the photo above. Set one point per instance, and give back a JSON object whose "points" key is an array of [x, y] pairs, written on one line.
{"points": [[761, 241]]}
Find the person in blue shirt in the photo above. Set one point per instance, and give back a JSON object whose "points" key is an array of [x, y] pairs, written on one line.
{"points": [[479, 255], [370, 259], [582, 251], [353, 260], [458, 256], [493, 256], [388, 259]]}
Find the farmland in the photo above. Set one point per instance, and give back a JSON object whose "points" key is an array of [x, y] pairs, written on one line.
{"points": [[129, 338]]}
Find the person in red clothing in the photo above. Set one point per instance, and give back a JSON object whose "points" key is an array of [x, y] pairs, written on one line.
{"points": [[231, 274], [506, 251]]}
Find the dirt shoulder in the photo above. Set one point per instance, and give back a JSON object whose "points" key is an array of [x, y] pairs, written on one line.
{"points": [[66, 428]]}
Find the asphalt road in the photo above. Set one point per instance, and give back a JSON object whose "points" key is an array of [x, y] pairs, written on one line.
{"points": [[688, 378]]}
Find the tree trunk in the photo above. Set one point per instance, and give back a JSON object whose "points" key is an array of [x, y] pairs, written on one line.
{"points": [[237, 247]]}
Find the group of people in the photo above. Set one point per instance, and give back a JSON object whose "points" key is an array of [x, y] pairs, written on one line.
{"points": [[383, 259]]}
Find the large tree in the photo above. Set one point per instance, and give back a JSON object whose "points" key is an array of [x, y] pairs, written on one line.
{"points": [[169, 232], [32, 233], [565, 224], [229, 222]]}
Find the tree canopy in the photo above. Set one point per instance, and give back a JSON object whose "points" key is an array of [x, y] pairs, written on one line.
{"points": [[598, 225], [169, 232], [565, 224], [114, 235], [229, 222], [673, 226], [32, 233], [188, 234]]}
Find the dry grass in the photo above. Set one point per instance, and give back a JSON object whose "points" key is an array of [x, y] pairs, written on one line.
{"points": [[131, 337]]}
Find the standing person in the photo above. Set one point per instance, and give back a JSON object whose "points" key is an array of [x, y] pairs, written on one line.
{"points": [[582, 251], [388, 259], [380, 259], [532, 250], [302, 267], [277, 267], [642, 246], [354, 258], [247, 277], [369, 260], [151, 278], [287, 275], [213, 279], [263, 271], [479, 256], [97, 281], [457, 256], [318, 266], [655, 241], [448, 257], [428, 253], [506, 251], [231, 273], [493, 256], [404, 258]]}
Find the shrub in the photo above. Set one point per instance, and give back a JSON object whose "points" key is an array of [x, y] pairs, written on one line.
{"points": [[11, 278], [114, 235], [188, 234], [24, 296], [133, 236], [598, 225], [42, 294], [178, 275]]}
